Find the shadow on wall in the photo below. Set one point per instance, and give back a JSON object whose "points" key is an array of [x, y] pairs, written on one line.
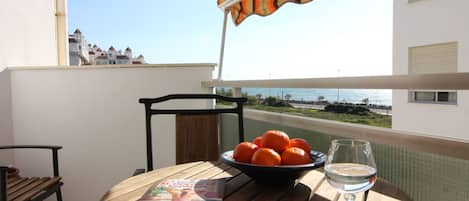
{"points": [[6, 134]]}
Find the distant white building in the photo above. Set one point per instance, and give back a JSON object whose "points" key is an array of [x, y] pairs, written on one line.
{"points": [[82, 53], [78, 49], [431, 37]]}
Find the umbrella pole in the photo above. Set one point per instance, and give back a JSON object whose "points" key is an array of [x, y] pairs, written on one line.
{"points": [[222, 48]]}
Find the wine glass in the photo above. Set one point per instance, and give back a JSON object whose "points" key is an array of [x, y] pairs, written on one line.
{"points": [[350, 167]]}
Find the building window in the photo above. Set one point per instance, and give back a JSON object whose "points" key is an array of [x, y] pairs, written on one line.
{"points": [[424, 96], [438, 97], [443, 96], [434, 58]]}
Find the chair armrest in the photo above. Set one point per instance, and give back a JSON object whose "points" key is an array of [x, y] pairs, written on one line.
{"points": [[53, 148], [139, 171]]}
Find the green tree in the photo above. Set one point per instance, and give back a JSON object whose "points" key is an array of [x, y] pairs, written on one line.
{"points": [[287, 97]]}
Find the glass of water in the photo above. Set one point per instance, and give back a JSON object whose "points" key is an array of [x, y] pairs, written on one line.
{"points": [[350, 167]]}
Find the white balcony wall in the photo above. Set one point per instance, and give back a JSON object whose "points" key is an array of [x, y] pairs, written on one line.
{"points": [[422, 23], [27, 33], [95, 115], [6, 132]]}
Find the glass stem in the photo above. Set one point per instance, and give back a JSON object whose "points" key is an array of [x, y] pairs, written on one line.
{"points": [[349, 196]]}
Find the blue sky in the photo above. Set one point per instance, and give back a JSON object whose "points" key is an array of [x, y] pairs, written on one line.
{"points": [[313, 40]]}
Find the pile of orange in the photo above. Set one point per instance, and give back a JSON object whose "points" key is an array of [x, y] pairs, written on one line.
{"points": [[272, 149]]}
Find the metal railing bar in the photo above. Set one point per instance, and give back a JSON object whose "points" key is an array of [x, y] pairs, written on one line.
{"points": [[441, 81]]}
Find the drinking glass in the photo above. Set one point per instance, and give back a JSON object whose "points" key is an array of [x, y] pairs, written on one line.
{"points": [[350, 167]]}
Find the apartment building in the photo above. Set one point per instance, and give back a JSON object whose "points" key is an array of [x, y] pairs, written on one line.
{"points": [[83, 53], [431, 36]]}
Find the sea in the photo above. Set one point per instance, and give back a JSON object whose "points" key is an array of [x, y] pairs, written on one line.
{"points": [[378, 96]]}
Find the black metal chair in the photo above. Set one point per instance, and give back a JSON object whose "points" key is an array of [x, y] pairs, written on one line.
{"points": [[34, 189], [149, 112]]}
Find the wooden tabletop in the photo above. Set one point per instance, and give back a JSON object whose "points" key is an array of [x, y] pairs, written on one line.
{"points": [[238, 186]]}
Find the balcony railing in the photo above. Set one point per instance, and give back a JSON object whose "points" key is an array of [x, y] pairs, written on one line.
{"points": [[451, 81], [425, 165], [426, 168]]}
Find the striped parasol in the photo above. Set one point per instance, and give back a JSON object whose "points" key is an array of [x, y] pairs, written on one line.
{"points": [[241, 9]]}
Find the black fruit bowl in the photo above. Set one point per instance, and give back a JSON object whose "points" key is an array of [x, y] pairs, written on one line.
{"points": [[275, 174]]}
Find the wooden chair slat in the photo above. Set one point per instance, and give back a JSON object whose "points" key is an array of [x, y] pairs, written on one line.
{"points": [[22, 188], [193, 131], [15, 182], [12, 179], [24, 182], [48, 182], [26, 188]]}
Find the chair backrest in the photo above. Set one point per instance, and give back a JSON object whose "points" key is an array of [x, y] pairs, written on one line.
{"points": [[149, 112]]}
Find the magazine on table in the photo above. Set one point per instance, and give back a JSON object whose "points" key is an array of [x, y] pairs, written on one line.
{"points": [[186, 190]]}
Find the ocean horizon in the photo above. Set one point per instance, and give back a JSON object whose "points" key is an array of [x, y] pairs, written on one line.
{"points": [[375, 96]]}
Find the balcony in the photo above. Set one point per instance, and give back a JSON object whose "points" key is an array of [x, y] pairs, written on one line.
{"points": [[94, 114]]}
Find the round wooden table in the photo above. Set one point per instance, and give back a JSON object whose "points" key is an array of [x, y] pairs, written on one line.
{"points": [[238, 186]]}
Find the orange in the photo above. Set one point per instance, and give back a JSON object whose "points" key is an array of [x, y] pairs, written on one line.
{"points": [[244, 151], [277, 140], [258, 141], [295, 156], [267, 157], [300, 143]]}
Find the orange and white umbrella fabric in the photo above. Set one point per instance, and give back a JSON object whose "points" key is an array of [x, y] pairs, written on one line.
{"points": [[240, 10]]}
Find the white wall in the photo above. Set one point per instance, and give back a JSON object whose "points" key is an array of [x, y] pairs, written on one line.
{"points": [[422, 23], [27, 33], [6, 133], [95, 115]]}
